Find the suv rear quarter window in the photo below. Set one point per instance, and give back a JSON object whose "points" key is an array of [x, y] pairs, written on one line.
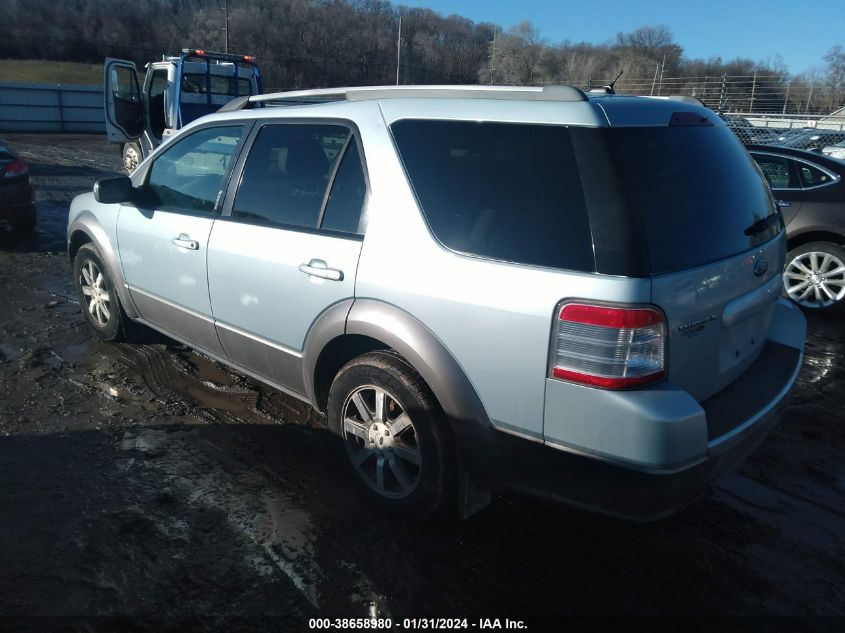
{"points": [[504, 191]]}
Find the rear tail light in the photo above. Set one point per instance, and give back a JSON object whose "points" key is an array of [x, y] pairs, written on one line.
{"points": [[609, 347], [15, 168]]}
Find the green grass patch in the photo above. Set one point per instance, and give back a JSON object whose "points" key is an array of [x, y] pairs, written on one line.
{"points": [[49, 72]]}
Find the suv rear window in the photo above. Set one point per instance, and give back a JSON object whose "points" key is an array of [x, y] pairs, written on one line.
{"points": [[622, 201], [697, 191], [503, 191]]}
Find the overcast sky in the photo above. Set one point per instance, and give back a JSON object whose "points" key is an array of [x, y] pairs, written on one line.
{"points": [[800, 31]]}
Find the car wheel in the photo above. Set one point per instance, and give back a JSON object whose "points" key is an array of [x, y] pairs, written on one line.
{"points": [[97, 297], [393, 430], [131, 156], [814, 276]]}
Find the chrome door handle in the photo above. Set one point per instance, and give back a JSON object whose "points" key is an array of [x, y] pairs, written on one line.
{"points": [[183, 241], [319, 268], [783, 204]]}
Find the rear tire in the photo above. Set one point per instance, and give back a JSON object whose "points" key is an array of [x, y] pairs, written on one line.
{"points": [[395, 436], [814, 276], [98, 298], [132, 156]]}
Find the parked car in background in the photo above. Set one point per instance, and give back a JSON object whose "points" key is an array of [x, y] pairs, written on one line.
{"points": [[17, 197], [835, 151], [748, 133], [810, 191], [482, 287], [808, 138]]}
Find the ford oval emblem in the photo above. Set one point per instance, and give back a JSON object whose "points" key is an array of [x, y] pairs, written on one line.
{"points": [[761, 267]]}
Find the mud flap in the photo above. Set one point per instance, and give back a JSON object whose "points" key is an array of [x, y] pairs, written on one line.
{"points": [[471, 497]]}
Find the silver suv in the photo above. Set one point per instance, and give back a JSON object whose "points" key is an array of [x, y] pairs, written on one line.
{"points": [[571, 294]]}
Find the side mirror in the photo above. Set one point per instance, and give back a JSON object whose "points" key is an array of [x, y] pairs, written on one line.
{"points": [[113, 190]]}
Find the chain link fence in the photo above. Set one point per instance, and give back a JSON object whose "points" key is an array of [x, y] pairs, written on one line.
{"points": [[763, 93], [824, 134], [760, 109]]}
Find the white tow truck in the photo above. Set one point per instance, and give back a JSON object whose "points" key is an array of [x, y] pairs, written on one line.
{"points": [[176, 91]]}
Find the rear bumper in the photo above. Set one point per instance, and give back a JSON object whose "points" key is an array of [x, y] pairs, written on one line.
{"points": [[715, 436]]}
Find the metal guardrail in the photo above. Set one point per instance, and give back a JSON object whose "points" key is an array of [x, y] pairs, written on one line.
{"points": [[60, 108]]}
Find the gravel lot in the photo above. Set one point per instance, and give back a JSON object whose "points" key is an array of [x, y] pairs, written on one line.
{"points": [[147, 480]]}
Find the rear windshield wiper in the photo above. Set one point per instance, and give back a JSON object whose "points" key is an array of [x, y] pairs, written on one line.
{"points": [[761, 225]]}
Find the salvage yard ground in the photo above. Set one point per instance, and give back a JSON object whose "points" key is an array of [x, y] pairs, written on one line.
{"points": [[149, 480]]}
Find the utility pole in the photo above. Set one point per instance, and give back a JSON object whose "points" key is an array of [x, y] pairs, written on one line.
{"points": [[662, 70], [493, 56], [786, 98], [398, 50], [753, 90], [654, 81], [226, 27]]}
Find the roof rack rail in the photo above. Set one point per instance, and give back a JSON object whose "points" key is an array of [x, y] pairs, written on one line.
{"points": [[367, 93], [686, 99]]}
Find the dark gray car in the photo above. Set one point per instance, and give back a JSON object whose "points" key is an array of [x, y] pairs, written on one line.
{"points": [[810, 191]]}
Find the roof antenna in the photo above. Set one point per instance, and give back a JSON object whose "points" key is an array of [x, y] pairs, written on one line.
{"points": [[613, 83]]}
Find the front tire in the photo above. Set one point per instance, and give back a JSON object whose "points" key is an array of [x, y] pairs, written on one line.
{"points": [[396, 439], [97, 296], [814, 275]]}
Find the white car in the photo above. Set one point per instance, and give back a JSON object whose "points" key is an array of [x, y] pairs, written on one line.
{"points": [[835, 151]]}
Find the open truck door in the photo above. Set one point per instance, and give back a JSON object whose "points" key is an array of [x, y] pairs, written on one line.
{"points": [[123, 104]]}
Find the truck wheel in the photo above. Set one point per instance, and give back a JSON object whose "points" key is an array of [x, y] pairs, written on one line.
{"points": [[397, 442], [814, 276], [97, 297], [131, 156]]}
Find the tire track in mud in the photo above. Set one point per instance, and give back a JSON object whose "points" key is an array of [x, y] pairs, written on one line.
{"points": [[212, 468]]}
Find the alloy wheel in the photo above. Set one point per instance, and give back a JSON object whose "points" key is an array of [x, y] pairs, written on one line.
{"points": [[815, 279], [97, 298], [131, 158], [381, 442]]}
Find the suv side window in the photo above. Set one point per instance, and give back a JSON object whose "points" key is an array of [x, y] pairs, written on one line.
{"points": [[287, 172], [346, 198], [504, 191], [777, 171], [811, 176], [188, 176]]}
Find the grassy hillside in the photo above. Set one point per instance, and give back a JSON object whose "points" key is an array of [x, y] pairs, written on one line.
{"points": [[39, 71]]}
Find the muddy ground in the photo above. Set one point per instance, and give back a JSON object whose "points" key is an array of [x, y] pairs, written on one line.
{"points": [[147, 480]]}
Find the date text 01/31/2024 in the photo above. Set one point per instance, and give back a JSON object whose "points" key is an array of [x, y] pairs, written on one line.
{"points": [[346, 624]]}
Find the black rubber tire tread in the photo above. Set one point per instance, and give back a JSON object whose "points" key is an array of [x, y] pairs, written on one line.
{"points": [[436, 489], [119, 327], [820, 247]]}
